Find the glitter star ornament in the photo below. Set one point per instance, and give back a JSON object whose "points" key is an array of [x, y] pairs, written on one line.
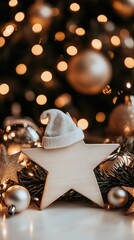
{"points": [[8, 165], [68, 160], [131, 191]]}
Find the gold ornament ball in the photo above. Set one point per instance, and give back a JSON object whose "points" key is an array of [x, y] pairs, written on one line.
{"points": [[89, 71], [117, 197], [41, 13], [125, 8], [121, 120]]}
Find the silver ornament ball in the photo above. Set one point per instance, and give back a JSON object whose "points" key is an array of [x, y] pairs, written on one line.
{"points": [[121, 120], [17, 196], [117, 197], [23, 132], [89, 71]]}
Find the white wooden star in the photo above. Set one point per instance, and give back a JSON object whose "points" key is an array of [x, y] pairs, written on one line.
{"points": [[71, 168]]}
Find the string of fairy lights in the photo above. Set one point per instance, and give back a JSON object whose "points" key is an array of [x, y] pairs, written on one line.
{"points": [[115, 38]]}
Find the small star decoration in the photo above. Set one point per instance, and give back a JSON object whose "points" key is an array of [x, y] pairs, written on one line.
{"points": [[8, 165], [131, 191]]}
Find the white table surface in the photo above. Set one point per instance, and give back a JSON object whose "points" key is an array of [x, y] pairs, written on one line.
{"points": [[67, 221]]}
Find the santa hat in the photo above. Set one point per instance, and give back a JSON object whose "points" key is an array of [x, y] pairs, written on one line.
{"points": [[60, 131]]}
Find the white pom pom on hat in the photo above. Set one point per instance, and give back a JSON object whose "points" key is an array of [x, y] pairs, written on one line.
{"points": [[60, 131]]}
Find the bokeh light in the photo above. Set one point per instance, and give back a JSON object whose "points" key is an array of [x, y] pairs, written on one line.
{"points": [[4, 89], [96, 44], [13, 3], [80, 31], [2, 41], [71, 50], [16, 109], [62, 66], [128, 85], [44, 121], [59, 36], [129, 62], [63, 100], [115, 40], [19, 17], [75, 7], [102, 18], [37, 49], [8, 30], [129, 42], [100, 117], [46, 76], [21, 69], [41, 99], [107, 90], [37, 28], [29, 95], [83, 123]]}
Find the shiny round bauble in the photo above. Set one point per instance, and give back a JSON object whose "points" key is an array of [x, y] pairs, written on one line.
{"points": [[21, 133], [124, 8], [89, 71], [18, 197], [121, 120], [41, 13], [117, 197]]}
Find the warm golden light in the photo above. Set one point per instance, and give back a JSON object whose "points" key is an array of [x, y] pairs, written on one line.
{"points": [[4, 89], [8, 30], [46, 76], [62, 66], [21, 69], [128, 85], [13, 3], [5, 137], [19, 17], [110, 54], [59, 36], [37, 49], [74, 7], [115, 100], [29, 95], [100, 117], [44, 121], [16, 109], [82, 123], [107, 90], [115, 41], [62, 100], [37, 27], [2, 41], [8, 128], [97, 44], [72, 50], [127, 129], [41, 99], [56, 11], [80, 31], [124, 33], [129, 62], [102, 18]]}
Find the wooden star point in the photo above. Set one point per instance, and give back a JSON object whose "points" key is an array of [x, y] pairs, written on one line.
{"points": [[71, 168]]}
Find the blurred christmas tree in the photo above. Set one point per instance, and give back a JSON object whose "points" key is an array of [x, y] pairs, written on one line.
{"points": [[75, 56]]}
